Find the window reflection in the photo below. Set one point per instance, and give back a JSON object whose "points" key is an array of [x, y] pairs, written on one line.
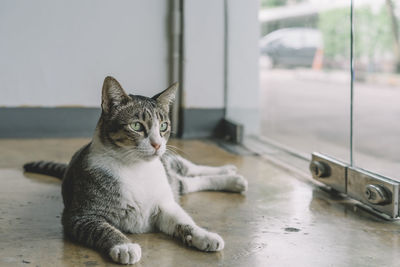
{"points": [[304, 72], [305, 79], [377, 86]]}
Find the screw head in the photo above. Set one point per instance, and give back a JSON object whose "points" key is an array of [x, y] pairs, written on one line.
{"points": [[368, 194], [377, 194], [319, 169]]}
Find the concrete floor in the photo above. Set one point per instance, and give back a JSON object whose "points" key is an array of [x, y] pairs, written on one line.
{"points": [[282, 220], [309, 111]]}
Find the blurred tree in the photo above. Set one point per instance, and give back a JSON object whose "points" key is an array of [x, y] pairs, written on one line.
{"points": [[272, 3], [395, 32], [372, 36], [334, 26], [276, 3]]}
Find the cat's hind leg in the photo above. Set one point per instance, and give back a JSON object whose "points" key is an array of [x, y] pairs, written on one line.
{"points": [[223, 182], [188, 168], [193, 178]]}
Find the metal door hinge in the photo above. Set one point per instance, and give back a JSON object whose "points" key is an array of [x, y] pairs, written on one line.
{"points": [[380, 193], [329, 171]]}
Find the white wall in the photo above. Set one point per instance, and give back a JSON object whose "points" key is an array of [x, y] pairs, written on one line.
{"points": [[57, 52], [204, 58], [243, 72], [203, 74]]}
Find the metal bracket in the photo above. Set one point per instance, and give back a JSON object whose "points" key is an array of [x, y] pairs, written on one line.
{"points": [[329, 171], [380, 193]]}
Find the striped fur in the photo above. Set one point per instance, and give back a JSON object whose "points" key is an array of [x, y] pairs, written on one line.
{"points": [[125, 181], [47, 168]]}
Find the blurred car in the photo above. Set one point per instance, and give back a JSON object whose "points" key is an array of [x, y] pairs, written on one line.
{"points": [[292, 47]]}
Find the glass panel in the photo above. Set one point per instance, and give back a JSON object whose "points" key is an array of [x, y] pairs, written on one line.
{"points": [[305, 75], [377, 86], [242, 32]]}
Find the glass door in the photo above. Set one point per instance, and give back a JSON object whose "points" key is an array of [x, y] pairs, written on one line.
{"points": [[330, 83], [305, 75], [377, 87]]}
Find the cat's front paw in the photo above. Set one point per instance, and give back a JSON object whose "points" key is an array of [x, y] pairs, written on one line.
{"points": [[128, 253], [237, 183], [207, 241]]}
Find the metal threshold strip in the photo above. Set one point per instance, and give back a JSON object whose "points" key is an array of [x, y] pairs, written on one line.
{"points": [[380, 194]]}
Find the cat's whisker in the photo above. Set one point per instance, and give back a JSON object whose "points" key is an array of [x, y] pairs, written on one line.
{"points": [[171, 149], [178, 149], [174, 147], [173, 152], [170, 153]]}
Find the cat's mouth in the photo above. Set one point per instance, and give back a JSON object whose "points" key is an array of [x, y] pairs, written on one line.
{"points": [[157, 153], [152, 155]]}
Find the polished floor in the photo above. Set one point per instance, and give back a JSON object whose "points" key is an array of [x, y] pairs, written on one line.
{"points": [[282, 220]]}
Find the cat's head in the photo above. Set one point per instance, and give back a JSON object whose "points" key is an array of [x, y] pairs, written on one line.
{"points": [[135, 125]]}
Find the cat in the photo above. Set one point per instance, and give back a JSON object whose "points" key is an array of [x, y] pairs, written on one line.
{"points": [[126, 181]]}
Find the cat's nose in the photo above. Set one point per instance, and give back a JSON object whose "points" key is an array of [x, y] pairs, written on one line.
{"points": [[155, 145]]}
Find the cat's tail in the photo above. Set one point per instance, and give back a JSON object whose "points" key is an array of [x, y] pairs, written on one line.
{"points": [[47, 168]]}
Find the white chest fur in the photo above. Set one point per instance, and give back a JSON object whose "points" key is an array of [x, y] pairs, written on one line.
{"points": [[144, 185]]}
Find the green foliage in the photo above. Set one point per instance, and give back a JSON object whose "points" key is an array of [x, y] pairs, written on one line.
{"points": [[272, 3], [335, 28], [372, 32], [276, 3]]}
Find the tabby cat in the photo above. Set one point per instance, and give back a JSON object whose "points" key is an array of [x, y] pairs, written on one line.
{"points": [[125, 181]]}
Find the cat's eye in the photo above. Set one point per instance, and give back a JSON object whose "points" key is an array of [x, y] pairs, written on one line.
{"points": [[163, 126], [136, 126]]}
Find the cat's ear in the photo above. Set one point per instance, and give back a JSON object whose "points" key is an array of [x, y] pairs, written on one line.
{"points": [[166, 97], [112, 94]]}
